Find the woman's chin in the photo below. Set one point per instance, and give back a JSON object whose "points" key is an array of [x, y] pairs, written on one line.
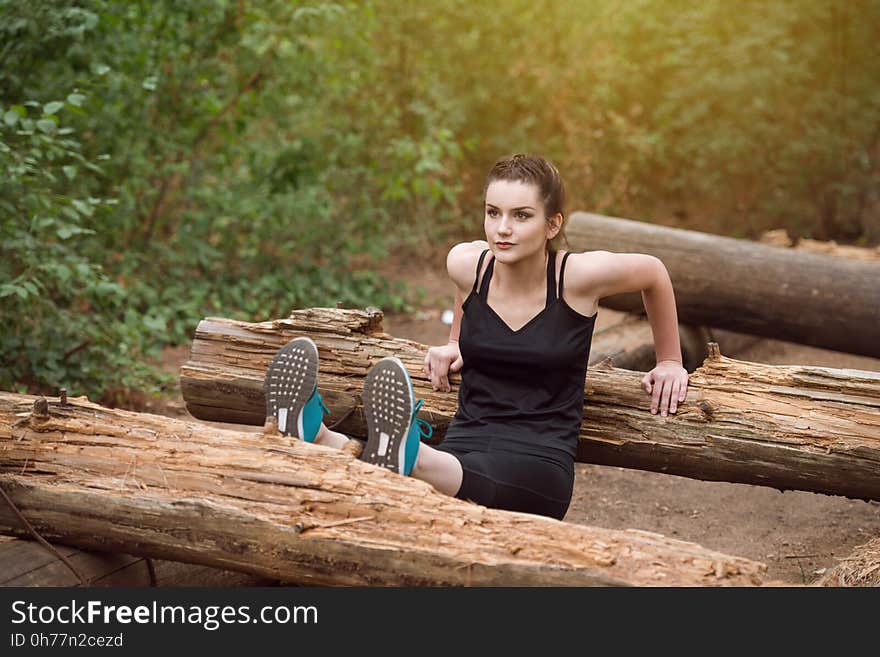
{"points": [[511, 254]]}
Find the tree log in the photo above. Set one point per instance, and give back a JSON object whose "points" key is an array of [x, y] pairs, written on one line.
{"points": [[786, 294], [261, 503], [861, 568], [780, 238], [801, 428], [27, 563], [629, 344]]}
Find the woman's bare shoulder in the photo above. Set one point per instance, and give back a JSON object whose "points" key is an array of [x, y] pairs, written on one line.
{"points": [[588, 259], [461, 262], [583, 268], [603, 273]]}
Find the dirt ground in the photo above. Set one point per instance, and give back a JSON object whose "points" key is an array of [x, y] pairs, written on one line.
{"points": [[797, 534]]}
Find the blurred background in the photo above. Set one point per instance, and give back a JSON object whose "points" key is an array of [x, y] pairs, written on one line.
{"points": [[163, 161]]}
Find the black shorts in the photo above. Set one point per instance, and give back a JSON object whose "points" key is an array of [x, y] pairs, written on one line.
{"points": [[515, 482]]}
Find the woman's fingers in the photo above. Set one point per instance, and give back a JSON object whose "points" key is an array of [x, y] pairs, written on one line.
{"points": [[437, 369], [664, 397], [436, 375], [673, 396], [429, 371], [439, 362], [667, 390], [667, 399], [655, 395]]}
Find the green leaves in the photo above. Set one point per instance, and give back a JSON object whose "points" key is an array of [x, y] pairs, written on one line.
{"points": [[48, 126], [13, 114], [52, 108], [66, 232]]}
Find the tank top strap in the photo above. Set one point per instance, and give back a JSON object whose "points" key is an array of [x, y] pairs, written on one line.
{"points": [[479, 267], [551, 277], [487, 276], [562, 272]]}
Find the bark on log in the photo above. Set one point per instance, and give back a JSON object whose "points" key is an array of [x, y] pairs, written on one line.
{"points": [[785, 294], [27, 563], [780, 238], [861, 568], [788, 427], [152, 486]]}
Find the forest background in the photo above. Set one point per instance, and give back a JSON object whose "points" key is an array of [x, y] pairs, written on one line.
{"points": [[162, 161]]}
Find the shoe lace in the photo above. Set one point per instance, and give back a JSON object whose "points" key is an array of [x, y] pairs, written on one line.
{"points": [[424, 428]]}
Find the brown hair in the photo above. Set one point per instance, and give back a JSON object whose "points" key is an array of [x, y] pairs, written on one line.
{"points": [[539, 171]]}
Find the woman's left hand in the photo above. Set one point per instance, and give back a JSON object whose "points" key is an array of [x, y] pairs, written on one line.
{"points": [[667, 384]]}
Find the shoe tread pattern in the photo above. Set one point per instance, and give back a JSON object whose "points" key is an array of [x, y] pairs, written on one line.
{"points": [[290, 381], [388, 409]]}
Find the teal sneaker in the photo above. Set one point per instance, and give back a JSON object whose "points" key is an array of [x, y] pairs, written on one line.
{"points": [[292, 390], [394, 433]]}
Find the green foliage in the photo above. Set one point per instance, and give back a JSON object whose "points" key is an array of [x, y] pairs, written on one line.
{"points": [[261, 156], [64, 321]]}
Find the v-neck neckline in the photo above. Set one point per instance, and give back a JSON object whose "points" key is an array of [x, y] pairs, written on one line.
{"points": [[524, 326], [490, 271]]}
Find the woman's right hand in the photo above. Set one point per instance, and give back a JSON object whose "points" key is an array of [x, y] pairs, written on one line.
{"points": [[439, 362]]}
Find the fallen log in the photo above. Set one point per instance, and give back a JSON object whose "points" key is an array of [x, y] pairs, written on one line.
{"points": [[786, 294], [780, 237], [153, 486], [788, 427], [861, 568], [629, 344], [27, 563]]}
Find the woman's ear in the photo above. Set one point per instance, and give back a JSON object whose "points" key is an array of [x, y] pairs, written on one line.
{"points": [[554, 224]]}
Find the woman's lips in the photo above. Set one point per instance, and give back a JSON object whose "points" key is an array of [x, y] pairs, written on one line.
{"points": [[503, 245]]}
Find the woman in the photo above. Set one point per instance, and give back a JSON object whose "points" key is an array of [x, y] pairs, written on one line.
{"points": [[521, 339]]}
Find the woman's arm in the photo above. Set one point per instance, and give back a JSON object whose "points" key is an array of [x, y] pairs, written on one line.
{"points": [[659, 300], [602, 274], [439, 361], [455, 329]]}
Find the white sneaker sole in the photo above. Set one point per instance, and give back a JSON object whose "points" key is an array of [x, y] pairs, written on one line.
{"points": [[388, 409], [290, 381]]}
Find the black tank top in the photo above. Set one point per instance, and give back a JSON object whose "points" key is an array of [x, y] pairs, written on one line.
{"points": [[521, 391]]}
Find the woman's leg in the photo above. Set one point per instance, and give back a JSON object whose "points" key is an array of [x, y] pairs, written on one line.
{"points": [[440, 469], [517, 482], [293, 373], [330, 438]]}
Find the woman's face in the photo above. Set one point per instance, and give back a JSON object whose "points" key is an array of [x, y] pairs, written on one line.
{"points": [[515, 224]]}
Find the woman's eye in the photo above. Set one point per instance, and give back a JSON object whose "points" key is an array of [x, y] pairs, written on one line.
{"points": [[522, 215], [492, 212]]}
